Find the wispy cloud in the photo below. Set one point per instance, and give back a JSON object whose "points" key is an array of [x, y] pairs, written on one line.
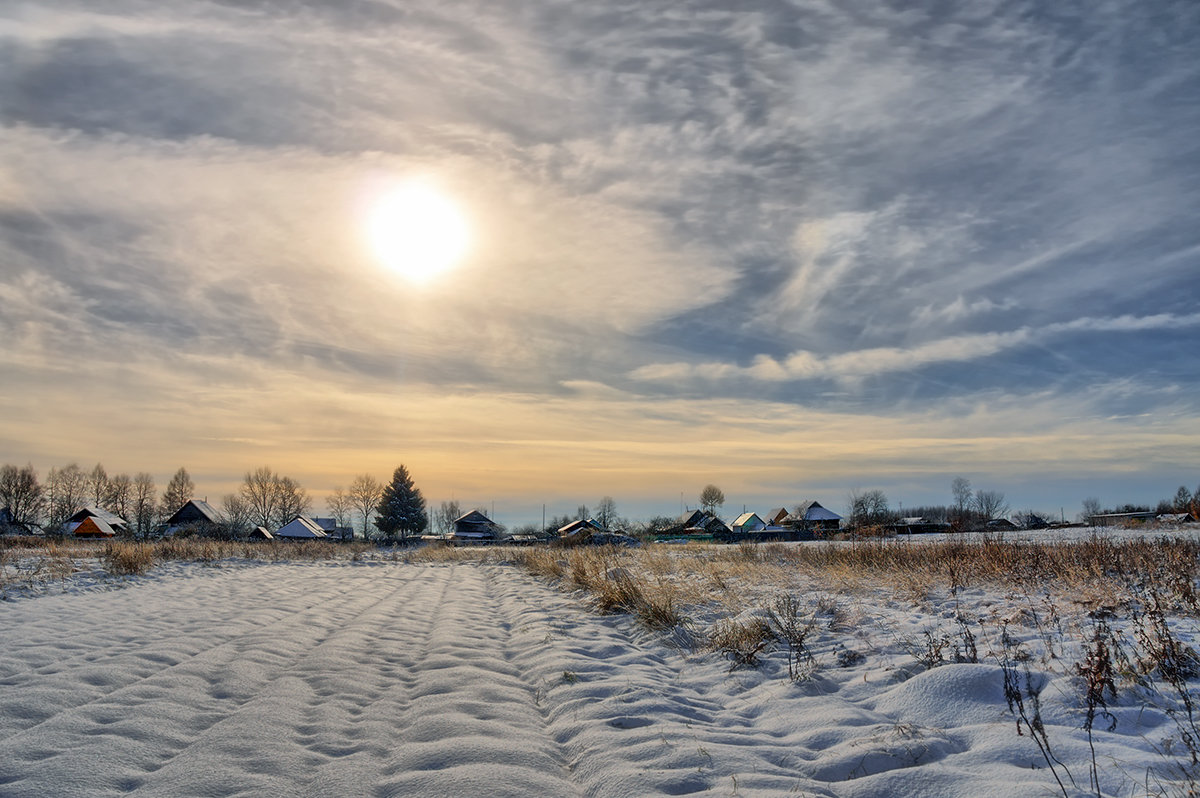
{"points": [[877, 361]]}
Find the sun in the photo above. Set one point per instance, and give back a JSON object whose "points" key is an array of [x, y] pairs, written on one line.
{"points": [[417, 231]]}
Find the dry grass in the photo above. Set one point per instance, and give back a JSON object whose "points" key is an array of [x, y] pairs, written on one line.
{"points": [[27, 562], [125, 558]]}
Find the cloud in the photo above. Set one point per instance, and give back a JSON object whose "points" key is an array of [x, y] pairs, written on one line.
{"points": [[878, 361]]}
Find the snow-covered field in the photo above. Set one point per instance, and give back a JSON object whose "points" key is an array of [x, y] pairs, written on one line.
{"points": [[479, 679]]}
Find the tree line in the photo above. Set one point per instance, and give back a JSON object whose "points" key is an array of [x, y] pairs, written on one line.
{"points": [[265, 498]]}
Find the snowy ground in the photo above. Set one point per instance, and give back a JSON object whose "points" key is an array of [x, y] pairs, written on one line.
{"points": [[464, 679]]}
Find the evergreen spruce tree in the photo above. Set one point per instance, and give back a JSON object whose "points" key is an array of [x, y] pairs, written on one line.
{"points": [[402, 508]]}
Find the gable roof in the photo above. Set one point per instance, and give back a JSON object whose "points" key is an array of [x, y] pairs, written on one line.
{"points": [[300, 527], [775, 515], [691, 518], [200, 506], [747, 518], [474, 517], [92, 526], [91, 511], [576, 526], [813, 511]]}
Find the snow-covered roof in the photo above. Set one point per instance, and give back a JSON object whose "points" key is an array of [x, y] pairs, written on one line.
{"points": [[813, 511], [575, 526], [204, 508], [95, 525], [91, 511], [473, 517], [776, 514], [300, 527], [746, 518]]}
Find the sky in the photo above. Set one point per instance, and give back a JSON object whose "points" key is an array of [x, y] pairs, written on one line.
{"points": [[792, 248]]}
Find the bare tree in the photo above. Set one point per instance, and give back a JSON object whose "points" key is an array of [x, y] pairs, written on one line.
{"points": [[581, 513], [365, 493], [868, 508], [445, 516], [291, 500], [340, 506], [606, 512], [990, 504], [66, 490], [1091, 507], [179, 492], [235, 514], [97, 485], [21, 493], [961, 488], [144, 507], [711, 498], [120, 493], [259, 494]]}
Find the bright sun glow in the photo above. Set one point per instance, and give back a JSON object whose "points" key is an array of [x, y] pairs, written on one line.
{"points": [[418, 231]]}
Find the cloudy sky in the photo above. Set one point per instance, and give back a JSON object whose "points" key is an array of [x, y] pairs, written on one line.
{"points": [[791, 247]]}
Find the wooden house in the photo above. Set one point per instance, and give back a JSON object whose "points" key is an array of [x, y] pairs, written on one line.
{"points": [[94, 527], [196, 514], [332, 530], [811, 515], [919, 525], [776, 516], [260, 533], [748, 522], [579, 527], [301, 528], [474, 527], [115, 522]]}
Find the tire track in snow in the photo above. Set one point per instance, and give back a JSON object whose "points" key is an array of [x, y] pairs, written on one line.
{"points": [[432, 680], [161, 631], [42, 699], [473, 727], [182, 702]]}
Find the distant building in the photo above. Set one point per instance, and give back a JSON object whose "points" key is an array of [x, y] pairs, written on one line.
{"points": [[579, 527], [917, 524], [115, 522], [747, 522], [94, 527], [811, 515], [1120, 519], [301, 528], [475, 527], [332, 530], [776, 516], [196, 514]]}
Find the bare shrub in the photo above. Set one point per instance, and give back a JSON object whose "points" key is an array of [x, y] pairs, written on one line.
{"points": [[741, 642], [126, 558], [1097, 672], [792, 628]]}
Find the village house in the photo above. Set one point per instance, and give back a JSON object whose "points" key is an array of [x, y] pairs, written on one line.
{"points": [[197, 515], [748, 522], [812, 516], [115, 522], [301, 528], [94, 527], [475, 527]]}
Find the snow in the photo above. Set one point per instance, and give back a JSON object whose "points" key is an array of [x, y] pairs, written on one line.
{"points": [[463, 679]]}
